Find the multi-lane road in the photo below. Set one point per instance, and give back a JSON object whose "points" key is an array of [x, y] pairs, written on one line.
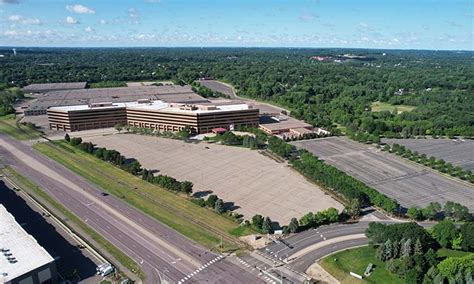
{"points": [[164, 254], [300, 251]]}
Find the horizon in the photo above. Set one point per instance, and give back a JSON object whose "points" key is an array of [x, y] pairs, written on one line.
{"points": [[234, 47], [318, 24]]}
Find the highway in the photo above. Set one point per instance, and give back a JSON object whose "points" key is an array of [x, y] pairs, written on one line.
{"points": [[164, 254]]}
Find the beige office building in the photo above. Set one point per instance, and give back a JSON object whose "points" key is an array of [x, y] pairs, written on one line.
{"points": [[157, 115]]}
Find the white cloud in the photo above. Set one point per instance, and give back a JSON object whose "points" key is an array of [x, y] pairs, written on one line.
{"points": [[10, 33], [88, 29], [364, 25], [70, 20], [133, 13], [103, 22], [80, 9], [25, 21], [14, 18], [152, 1]]}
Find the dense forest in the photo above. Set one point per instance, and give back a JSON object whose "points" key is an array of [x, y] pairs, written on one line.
{"points": [[335, 91]]}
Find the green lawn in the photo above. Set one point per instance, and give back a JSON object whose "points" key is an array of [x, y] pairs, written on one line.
{"points": [[25, 183], [356, 260], [8, 125], [379, 106], [444, 252], [174, 210]]}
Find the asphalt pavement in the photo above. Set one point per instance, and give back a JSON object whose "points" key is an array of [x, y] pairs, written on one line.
{"points": [[163, 253]]}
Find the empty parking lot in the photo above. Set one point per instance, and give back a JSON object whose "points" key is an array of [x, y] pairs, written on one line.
{"points": [[254, 183], [455, 151], [411, 185]]}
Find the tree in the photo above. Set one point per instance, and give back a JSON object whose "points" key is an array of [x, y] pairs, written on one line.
{"points": [[186, 187], [219, 206], [461, 212], [467, 232], [145, 174], [353, 208], [457, 241], [76, 141], [67, 138], [414, 213], [432, 210], [451, 266], [267, 225], [406, 248], [294, 225], [387, 250], [418, 249], [257, 221], [118, 127], [331, 215], [211, 200], [444, 232], [375, 232], [307, 220]]}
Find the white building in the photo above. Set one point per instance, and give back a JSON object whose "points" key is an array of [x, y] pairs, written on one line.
{"points": [[22, 259]]}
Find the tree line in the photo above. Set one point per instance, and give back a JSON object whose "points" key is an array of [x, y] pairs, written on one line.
{"points": [[432, 162], [130, 165]]}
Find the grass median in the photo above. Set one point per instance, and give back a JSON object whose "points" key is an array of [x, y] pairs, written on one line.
{"points": [[9, 126], [356, 260], [175, 210], [51, 202]]}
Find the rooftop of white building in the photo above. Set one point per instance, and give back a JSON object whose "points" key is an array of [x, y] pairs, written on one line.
{"points": [[14, 240], [157, 105]]}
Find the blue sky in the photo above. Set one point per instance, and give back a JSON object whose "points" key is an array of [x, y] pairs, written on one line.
{"points": [[414, 24]]}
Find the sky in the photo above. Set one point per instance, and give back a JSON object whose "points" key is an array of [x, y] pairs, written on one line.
{"points": [[393, 24]]}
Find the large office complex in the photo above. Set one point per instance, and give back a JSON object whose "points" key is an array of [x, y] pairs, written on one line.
{"points": [[73, 97], [154, 114], [22, 259]]}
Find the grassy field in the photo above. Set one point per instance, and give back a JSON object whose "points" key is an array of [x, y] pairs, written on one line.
{"points": [[197, 223], [25, 183], [8, 125], [356, 260], [379, 106], [444, 252]]}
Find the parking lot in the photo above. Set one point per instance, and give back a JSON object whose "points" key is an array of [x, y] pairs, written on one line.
{"points": [[249, 182], [458, 152], [410, 184]]}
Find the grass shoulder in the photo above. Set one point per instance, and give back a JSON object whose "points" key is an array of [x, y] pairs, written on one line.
{"points": [[10, 126], [356, 260], [172, 209]]}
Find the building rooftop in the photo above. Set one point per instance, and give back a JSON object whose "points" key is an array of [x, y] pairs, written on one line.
{"points": [[158, 105], [171, 94], [23, 247], [46, 87], [282, 123]]}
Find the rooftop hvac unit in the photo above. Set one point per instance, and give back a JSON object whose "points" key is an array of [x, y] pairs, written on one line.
{"points": [[4, 249], [7, 253], [13, 261]]}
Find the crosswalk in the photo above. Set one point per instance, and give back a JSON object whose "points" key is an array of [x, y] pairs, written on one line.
{"points": [[202, 267], [255, 267]]}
